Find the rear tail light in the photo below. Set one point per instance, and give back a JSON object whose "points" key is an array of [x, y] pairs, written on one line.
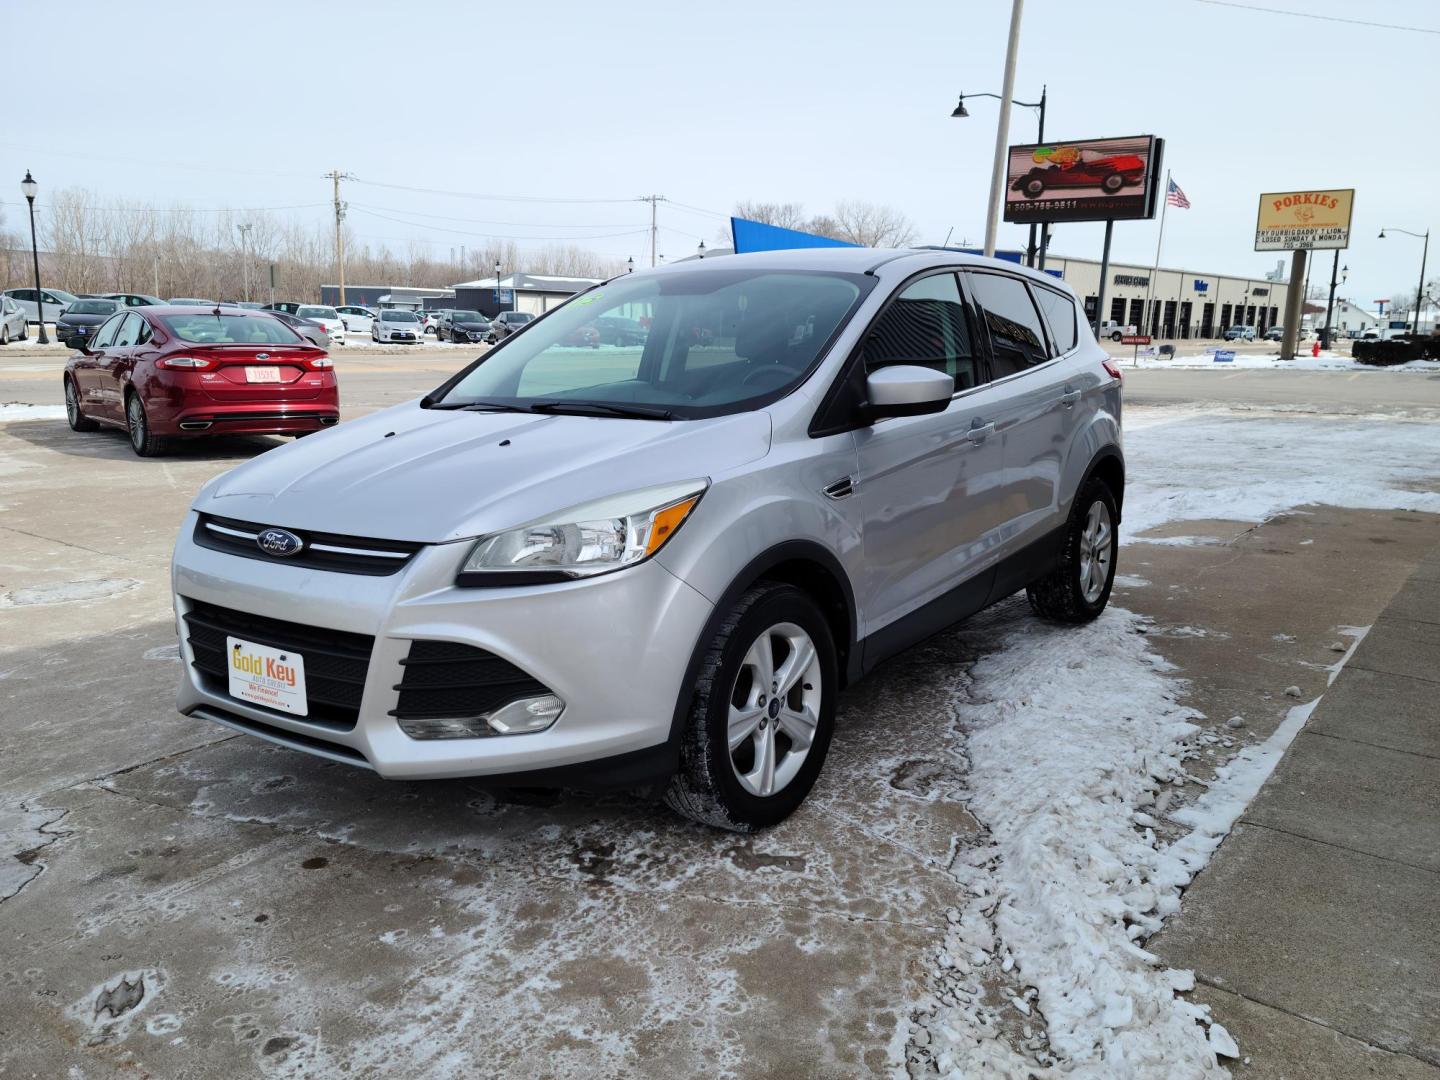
{"points": [[182, 363], [1113, 368], [322, 362]]}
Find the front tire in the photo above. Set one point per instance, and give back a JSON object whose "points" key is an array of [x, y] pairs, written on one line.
{"points": [[142, 440], [761, 713], [1078, 589], [77, 419]]}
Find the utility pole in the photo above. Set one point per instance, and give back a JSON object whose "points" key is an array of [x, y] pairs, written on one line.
{"points": [[1002, 132], [654, 201], [245, 257], [336, 176]]}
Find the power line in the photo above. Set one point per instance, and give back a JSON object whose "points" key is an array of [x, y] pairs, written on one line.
{"points": [[494, 236], [487, 198], [1321, 18], [482, 221], [178, 209]]}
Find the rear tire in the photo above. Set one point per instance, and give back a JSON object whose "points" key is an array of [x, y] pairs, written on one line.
{"points": [[775, 633], [1078, 589], [142, 440], [78, 420], [4, 333]]}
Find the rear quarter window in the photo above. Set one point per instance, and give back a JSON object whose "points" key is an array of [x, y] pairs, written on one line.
{"points": [[1059, 312]]}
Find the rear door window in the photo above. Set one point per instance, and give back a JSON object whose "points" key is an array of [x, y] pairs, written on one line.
{"points": [[128, 332], [926, 325], [1059, 312], [1017, 336]]}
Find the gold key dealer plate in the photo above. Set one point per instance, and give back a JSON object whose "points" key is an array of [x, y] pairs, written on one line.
{"points": [[261, 675], [262, 374]]}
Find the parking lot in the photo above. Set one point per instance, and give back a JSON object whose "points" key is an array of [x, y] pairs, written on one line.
{"points": [[180, 899]]}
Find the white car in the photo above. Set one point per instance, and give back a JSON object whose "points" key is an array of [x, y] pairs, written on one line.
{"points": [[12, 321], [328, 318], [56, 301], [431, 321], [357, 320], [397, 324]]}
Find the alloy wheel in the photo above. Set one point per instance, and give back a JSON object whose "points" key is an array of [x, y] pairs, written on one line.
{"points": [[72, 407], [1096, 551], [774, 709], [135, 414]]}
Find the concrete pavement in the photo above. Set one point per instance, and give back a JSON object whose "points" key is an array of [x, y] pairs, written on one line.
{"points": [[1315, 933]]}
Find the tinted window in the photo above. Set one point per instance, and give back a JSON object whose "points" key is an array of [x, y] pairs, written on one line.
{"points": [[24, 294], [129, 331], [1059, 312], [398, 316], [106, 334], [466, 316], [92, 307], [1017, 340], [926, 325], [317, 312], [230, 329]]}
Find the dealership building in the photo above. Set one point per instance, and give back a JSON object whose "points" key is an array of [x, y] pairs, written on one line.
{"points": [[1184, 303]]}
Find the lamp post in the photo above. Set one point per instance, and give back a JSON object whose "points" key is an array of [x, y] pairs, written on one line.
{"points": [[1419, 293], [497, 285], [630, 265], [700, 251], [961, 113], [30, 189]]}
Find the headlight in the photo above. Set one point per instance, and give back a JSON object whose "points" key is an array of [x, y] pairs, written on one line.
{"points": [[595, 538]]}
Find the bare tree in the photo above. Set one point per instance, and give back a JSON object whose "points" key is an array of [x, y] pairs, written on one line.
{"points": [[788, 215], [873, 225]]}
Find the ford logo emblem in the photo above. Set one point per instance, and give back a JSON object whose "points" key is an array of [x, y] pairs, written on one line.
{"points": [[279, 543], [262, 356]]}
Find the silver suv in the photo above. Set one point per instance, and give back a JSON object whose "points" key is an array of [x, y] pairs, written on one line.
{"points": [[662, 561]]}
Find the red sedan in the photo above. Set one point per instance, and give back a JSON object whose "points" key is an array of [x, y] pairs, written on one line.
{"points": [[166, 372]]}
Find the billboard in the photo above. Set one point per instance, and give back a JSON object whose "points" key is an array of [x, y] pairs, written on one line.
{"points": [[1295, 220], [1087, 180]]}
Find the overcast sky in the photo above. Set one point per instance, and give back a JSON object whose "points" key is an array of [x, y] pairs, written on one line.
{"points": [[708, 104]]}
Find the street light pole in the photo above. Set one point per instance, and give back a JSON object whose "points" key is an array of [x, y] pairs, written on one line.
{"points": [[1424, 254], [30, 189], [1330, 304], [960, 113], [1002, 131]]}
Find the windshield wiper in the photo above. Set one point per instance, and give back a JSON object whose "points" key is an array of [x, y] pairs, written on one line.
{"points": [[477, 406], [602, 408]]}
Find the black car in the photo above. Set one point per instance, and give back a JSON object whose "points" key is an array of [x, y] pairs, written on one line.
{"points": [[461, 326], [616, 330], [287, 306], [82, 317], [506, 323]]}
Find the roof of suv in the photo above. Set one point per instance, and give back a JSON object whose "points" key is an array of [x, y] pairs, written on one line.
{"points": [[852, 260]]}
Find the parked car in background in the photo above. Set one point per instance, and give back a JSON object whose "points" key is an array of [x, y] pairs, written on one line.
{"points": [[1240, 333], [328, 320], [284, 305], [1115, 331], [247, 305], [134, 299], [82, 317], [430, 320], [357, 320], [505, 324], [669, 572], [54, 302], [13, 326], [191, 301], [162, 373], [308, 329], [462, 326], [1275, 333], [619, 330], [397, 324]]}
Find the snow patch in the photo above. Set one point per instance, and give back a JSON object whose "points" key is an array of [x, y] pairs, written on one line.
{"points": [[13, 411]]}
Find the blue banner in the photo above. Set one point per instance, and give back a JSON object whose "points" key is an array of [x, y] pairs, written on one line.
{"points": [[757, 236]]}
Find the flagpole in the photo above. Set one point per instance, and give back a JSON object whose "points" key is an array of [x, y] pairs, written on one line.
{"points": [[1150, 292]]}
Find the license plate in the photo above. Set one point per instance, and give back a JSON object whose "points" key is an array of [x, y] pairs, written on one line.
{"points": [[262, 374], [274, 678]]}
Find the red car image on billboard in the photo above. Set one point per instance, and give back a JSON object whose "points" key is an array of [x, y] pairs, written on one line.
{"points": [[1088, 180]]}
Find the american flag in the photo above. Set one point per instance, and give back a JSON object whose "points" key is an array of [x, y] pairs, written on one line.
{"points": [[1175, 197]]}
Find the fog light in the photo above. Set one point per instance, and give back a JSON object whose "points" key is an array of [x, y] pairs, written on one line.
{"points": [[516, 718]]}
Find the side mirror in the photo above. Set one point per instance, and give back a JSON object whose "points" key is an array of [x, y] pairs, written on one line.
{"points": [[78, 342], [907, 390]]}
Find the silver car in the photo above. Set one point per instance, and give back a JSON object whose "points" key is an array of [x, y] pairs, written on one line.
{"points": [[13, 326], [663, 562], [394, 324]]}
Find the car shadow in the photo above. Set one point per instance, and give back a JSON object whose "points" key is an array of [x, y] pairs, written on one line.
{"points": [[113, 444]]}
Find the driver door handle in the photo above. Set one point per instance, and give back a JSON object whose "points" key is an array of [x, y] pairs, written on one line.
{"points": [[1069, 397], [979, 432]]}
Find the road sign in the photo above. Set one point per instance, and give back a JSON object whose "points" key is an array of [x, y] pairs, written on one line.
{"points": [[1224, 356], [1135, 339]]}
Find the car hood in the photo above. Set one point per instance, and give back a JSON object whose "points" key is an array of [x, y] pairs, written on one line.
{"points": [[433, 476], [82, 320], [471, 325]]}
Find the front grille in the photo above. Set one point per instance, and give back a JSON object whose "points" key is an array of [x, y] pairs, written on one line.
{"points": [[445, 680], [320, 551], [335, 660]]}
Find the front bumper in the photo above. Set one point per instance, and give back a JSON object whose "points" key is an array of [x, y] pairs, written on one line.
{"points": [[615, 648]]}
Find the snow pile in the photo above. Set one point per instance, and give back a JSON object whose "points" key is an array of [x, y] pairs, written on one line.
{"points": [[15, 410], [1194, 360], [1072, 737], [1184, 465]]}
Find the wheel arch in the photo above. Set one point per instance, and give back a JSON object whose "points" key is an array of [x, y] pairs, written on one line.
{"points": [[1109, 466]]}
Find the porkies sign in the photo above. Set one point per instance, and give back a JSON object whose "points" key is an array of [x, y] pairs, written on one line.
{"points": [[1304, 220]]}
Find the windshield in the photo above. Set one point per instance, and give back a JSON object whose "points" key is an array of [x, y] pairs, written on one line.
{"points": [[92, 307], [519, 316], [318, 313], [398, 316], [466, 316], [231, 330], [714, 342]]}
